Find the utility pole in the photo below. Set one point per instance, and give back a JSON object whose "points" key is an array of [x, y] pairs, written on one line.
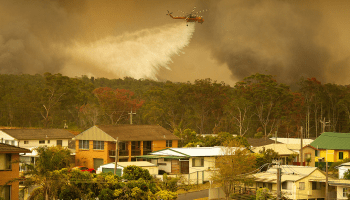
{"points": [[116, 156], [326, 176], [131, 113], [279, 174], [324, 124], [301, 146]]}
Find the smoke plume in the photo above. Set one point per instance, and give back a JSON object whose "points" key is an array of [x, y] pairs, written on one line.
{"points": [[282, 38]]}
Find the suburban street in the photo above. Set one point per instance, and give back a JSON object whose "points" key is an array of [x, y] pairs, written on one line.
{"points": [[194, 195]]}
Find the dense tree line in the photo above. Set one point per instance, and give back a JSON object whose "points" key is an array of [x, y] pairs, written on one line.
{"points": [[257, 105]]}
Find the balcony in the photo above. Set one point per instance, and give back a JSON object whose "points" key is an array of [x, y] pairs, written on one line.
{"points": [[135, 152], [146, 151], [121, 153]]}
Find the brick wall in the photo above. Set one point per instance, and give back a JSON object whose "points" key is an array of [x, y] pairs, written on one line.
{"points": [[9, 175], [175, 166]]}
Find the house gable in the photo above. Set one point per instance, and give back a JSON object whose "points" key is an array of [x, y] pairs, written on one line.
{"points": [[94, 133]]}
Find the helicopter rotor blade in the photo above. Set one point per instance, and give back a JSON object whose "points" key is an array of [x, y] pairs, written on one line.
{"points": [[193, 9]]}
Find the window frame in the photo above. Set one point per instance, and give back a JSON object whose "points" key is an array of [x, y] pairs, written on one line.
{"points": [[342, 155], [83, 144], [301, 185], [98, 145], [169, 143], [345, 192], [8, 162], [201, 162], [59, 141]]}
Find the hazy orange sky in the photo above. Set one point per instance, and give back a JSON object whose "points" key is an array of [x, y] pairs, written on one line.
{"points": [[286, 38]]}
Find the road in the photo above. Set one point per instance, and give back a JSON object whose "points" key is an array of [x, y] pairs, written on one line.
{"points": [[193, 195]]}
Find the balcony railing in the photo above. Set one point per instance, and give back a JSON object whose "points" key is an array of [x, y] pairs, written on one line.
{"points": [[146, 151], [135, 152], [121, 153]]}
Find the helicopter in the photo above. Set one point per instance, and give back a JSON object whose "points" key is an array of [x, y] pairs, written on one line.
{"points": [[189, 17]]}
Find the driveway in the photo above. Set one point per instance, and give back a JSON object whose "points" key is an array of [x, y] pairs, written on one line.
{"points": [[193, 195]]}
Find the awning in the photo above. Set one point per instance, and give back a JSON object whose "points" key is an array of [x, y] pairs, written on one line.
{"points": [[160, 156]]}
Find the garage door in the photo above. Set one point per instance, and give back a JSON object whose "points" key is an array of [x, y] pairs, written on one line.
{"points": [[97, 162]]}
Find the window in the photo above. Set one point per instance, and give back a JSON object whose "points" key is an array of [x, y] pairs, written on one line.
{"points": [[345, 192], [287, 185], [317, 153], [5, 161], [41, 141], [316, 185], [7, 141], [26, 142], [301, 185], [59, 142], [169, 143], [12, 142], [6, 192], [284, 185], [340, 155], [83, 144], [48, 142], [198, 162], [99, 145], [123, 146]]}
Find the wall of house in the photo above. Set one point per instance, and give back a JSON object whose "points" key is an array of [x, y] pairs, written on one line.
{"points": [[166, 166], [308, 192], [340, 192], [85, 157], [35, 143], [161, 144], [7, 175], [342, 170], [336, 155], [330, 155], [309, 150]]}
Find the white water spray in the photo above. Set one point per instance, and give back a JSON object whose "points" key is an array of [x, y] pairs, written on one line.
{"points": [[137, 55]]}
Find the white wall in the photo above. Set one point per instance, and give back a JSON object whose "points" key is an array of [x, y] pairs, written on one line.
{"points": [[341, 171], [340, 192], [5, 138], [209, 163], [35, 143], [166, 167]]}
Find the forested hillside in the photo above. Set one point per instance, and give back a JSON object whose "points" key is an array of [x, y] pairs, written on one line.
{"points": [[258, 105]]}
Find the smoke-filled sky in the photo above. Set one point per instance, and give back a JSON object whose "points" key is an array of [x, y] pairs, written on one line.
{"points": [[118, 38]]}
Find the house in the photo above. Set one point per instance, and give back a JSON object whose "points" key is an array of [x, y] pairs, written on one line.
{"points": [[306, 141], [283, 150], [152, 168], [96, 146], [342, 168], [330, 147], [342, 188], [29, 138], [298, 182], [195, 163], [9, 170], [257, 142]]}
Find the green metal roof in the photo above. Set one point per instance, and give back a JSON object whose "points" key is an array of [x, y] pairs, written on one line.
{"points": [[331, 140]]}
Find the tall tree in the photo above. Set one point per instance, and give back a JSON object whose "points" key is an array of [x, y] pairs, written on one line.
{"points": [[117, 103], [268, 97], [234, 167]]}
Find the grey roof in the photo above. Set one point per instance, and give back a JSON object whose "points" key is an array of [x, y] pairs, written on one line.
{"points": [[6, 148], [127, 133], [37, 134]]}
